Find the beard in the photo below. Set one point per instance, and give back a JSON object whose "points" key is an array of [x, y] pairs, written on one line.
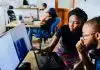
{"points": [[91, 46]]}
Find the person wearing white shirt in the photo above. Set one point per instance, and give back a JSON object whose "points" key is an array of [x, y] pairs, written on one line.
{"points": [[43, 10]]}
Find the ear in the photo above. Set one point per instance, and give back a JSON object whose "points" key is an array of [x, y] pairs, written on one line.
{"points": [[97, 35]]}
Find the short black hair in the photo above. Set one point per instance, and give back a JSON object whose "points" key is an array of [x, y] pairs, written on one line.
{"points": [[95, 19], [79, 13], [44, 5], [94, 23], [52, 12]]}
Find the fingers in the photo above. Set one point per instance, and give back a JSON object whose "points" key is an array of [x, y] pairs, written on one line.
{"points": [[80, 45]]}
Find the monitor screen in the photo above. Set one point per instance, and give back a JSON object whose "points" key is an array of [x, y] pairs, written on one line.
{"points": [[21, 48], [12, 53], [8, 56]]}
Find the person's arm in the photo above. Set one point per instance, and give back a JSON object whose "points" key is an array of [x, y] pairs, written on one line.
{"points": [[55, 40], [85, 59], [87, 62], [79, 66], [52, 44], [45, 18]]}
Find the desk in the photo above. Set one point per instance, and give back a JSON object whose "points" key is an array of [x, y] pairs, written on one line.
{"points": [[58, 63], [31, 59], [35, 24]]}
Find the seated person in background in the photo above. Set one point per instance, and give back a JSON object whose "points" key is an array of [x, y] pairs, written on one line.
{"points": [[46, 23], [69, 35], [11, 13], [43, 10], [90, 41]]}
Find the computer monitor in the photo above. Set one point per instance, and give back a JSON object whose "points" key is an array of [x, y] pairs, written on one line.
{"points": [[21, 49], [11, 53], [8, 55], [18, 33]]}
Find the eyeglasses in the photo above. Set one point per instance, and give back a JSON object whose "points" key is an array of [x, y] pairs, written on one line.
{"points": [[86, 35]]}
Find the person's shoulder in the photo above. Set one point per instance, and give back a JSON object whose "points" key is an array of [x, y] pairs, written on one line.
{"points": [[65, 27], [47, 9]]}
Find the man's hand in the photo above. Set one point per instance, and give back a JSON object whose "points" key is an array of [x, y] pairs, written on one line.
{"points": [[80, 46], [83, 56]]}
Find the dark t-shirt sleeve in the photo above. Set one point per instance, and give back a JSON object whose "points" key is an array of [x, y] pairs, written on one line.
{"points": [[59, 32]]}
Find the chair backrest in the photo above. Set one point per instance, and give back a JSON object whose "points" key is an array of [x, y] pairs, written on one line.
{"points": [[54, 25], [52, 29]]}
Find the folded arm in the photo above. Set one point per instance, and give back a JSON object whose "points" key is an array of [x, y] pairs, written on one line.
{"points": [[85, 59], [52, 45]]}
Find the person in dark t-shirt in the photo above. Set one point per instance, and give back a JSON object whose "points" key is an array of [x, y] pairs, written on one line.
{"points": [[69, 35], [68, 38]]}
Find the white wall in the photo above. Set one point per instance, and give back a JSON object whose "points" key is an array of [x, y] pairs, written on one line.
{"points": [[91, 7], [15, 3], [29, 12], [3, 15], [50, 3], [26, 12], [2, 20]]}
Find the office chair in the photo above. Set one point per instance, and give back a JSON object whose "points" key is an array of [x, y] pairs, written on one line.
{"points": [[43, 35], [54, 26]]}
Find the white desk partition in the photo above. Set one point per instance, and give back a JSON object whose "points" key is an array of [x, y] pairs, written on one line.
{"points": [[8, 55], [20, 32]]}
